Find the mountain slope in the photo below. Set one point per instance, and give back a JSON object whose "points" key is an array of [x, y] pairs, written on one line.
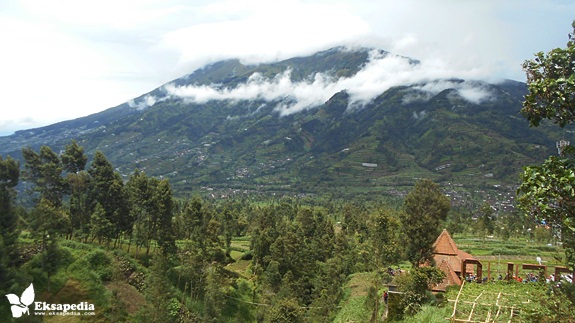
{"points": [[318, 124]]}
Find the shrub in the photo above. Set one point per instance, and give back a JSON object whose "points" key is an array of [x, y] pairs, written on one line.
{"points": [[505, 251], [100, 263], [248, 255]]}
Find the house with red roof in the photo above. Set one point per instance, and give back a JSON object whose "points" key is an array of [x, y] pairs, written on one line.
{"points": [[453, 262]]}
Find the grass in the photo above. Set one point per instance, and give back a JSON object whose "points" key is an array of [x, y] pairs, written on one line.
{"points": [[498, 301], [353, 307], [521, 296], [497, 253], [89, 272], [429, 314], [353, 311], [86, 273]]}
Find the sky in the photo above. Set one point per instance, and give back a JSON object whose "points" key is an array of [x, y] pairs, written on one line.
{"points": [[64, 59]]}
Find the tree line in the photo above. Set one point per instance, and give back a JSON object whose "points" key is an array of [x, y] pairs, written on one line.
{"points": [[300, 255]]}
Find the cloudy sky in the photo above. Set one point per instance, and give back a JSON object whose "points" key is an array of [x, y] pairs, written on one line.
{"points": [[63, 59]]}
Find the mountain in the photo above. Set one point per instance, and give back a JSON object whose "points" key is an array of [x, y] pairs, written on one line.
{"points": [[340, 122]]}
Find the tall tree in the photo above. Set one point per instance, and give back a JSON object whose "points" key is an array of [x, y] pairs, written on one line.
{"points": [[9, 176], [48, 222], [45, 171], [551, 85], [164, 205], [425, 208], [74, 161], [547, 191], [159, 293], [140, 197], [263, 235], [100, 226], [107, 189], [194, 218], [383, 228], [486, 219], [229, 223]]}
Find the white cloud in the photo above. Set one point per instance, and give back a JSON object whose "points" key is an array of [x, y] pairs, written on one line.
{"points": [[145, 102], [471, 91], [75, 58], [475, 94], [382, 72], [264, 31]]}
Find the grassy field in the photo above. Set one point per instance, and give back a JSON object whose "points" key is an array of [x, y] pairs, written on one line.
{"points": [[106, 277], [492, 302], [495, 253], [496, 302], [353, 307]]}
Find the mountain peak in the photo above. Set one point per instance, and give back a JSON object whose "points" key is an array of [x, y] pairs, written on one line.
{"points": [[308, 124]]}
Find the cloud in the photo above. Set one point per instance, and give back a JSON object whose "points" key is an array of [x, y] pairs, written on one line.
{"points": [[73, 58], [471, 91], [145, 102], [382, 72], [264, 31], [303, 94], [475, 94]]}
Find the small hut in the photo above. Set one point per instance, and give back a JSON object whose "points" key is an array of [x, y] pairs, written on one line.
{"points": [[452, 261]]}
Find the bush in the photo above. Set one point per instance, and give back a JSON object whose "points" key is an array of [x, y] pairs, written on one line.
{"points": [[100, 263], [546, 248], [248, 255], [507, 252], [81, 271], [98, 258]]}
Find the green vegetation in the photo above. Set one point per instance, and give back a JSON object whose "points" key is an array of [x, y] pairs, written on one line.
{"points": [[136, 253], [504, 301], [326, 249], [245, 149], [547, 191]]}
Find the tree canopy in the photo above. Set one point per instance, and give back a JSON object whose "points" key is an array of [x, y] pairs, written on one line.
{"points": [[551, 84], [547, 191], [425, 209]]}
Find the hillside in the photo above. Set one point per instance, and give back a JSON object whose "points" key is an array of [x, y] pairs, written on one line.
{"points": [[232, 129]]}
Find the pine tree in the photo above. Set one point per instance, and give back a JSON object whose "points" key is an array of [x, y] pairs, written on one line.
{"points": [[425, 209], [73, 158], [45, 171], [383, 228], [164, 206], [9, 176], [214, 298], [159, 292], [101, 228], [74, 161], [107, 189], [139, 197], [48, 223]]}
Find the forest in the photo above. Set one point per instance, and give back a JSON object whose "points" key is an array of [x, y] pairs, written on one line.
{"points": [[120, 250], [200, 260]]}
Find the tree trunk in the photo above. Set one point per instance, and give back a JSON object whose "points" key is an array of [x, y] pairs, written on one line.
{"points": [[117, 240], [129, 243]]}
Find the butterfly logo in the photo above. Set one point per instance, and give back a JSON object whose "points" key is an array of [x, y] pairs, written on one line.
{"points": [[20, 304]]}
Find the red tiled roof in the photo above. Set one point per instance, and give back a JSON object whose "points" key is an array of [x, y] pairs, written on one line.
{"points": [[448, 258], [444, 245], [451, 277]]}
